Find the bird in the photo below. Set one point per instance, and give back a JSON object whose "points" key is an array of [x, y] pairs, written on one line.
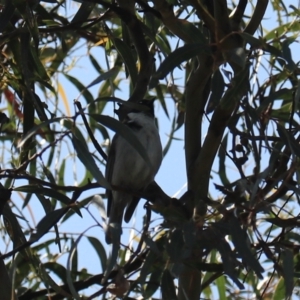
{"points": [[127, 169]]}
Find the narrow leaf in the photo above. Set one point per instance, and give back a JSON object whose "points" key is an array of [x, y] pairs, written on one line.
{"points": [[127, 57], [88, 161], [167, 286], [104, 76], [239, 239], [177, 57], [99, 250], [288, 271], [288, 139], [34, 189], [48, 222], [36, 128]]}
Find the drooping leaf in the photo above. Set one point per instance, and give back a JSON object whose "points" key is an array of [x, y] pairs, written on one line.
{"points": [[239, 239], [36, 128], [100, 250], [288, 139], [288, 271], [127, 57], [177, 57], [222, 157], [34, 189], [88, 161], [217, 92], [167, 286], [48, 222], [279, 292], [153, 283]]}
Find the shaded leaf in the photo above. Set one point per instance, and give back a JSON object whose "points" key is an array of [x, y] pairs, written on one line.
{"points": [[218, 85], [167, 286], [260, 44], [153, 283], [59, 270], [288, 271], [239, 239], [177, 57], [83, 13], [290, 222], [99, 250], [288, 139], [88, 161], [51, 219], [36, 128], [81, 88], [128, 59], [104, 76], [229, 261], [222, 156], [34, 189]]}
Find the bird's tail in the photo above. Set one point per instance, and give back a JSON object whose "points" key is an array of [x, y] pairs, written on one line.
{"points": [[114, 227]]}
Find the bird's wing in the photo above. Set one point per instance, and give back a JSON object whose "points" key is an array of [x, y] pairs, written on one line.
{"points": [[109, 170]]}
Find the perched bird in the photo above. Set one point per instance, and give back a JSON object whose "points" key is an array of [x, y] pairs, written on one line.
{"points": [[127, 169]]}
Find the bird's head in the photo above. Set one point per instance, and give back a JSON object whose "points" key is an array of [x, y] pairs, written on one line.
{"points": [[143, 106]]}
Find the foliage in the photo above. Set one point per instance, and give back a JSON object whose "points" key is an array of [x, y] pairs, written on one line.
{"points": [[236, 91]]}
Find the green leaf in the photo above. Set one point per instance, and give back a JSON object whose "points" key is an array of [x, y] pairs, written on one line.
{"points": [[56, 268], [288, 139], [88, 161], [34, 189], [39, 66], [100, 250], [83, 13], [148, 267], [288, 271], [48, 222], [279, 293], [229, 261], [74, 262], [177, 57], [61, 173], [287, 55], [290, 222], [221, 285], [157, 39], [73, 255], [81, 88], [239, 239], [36, 128], [153, 283], [175, 246], [222, 156], [104, 76], [260, 44], [128, 59], [6, 14], [95, 63], [167, 286], [285, 28], [217, 91]]}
